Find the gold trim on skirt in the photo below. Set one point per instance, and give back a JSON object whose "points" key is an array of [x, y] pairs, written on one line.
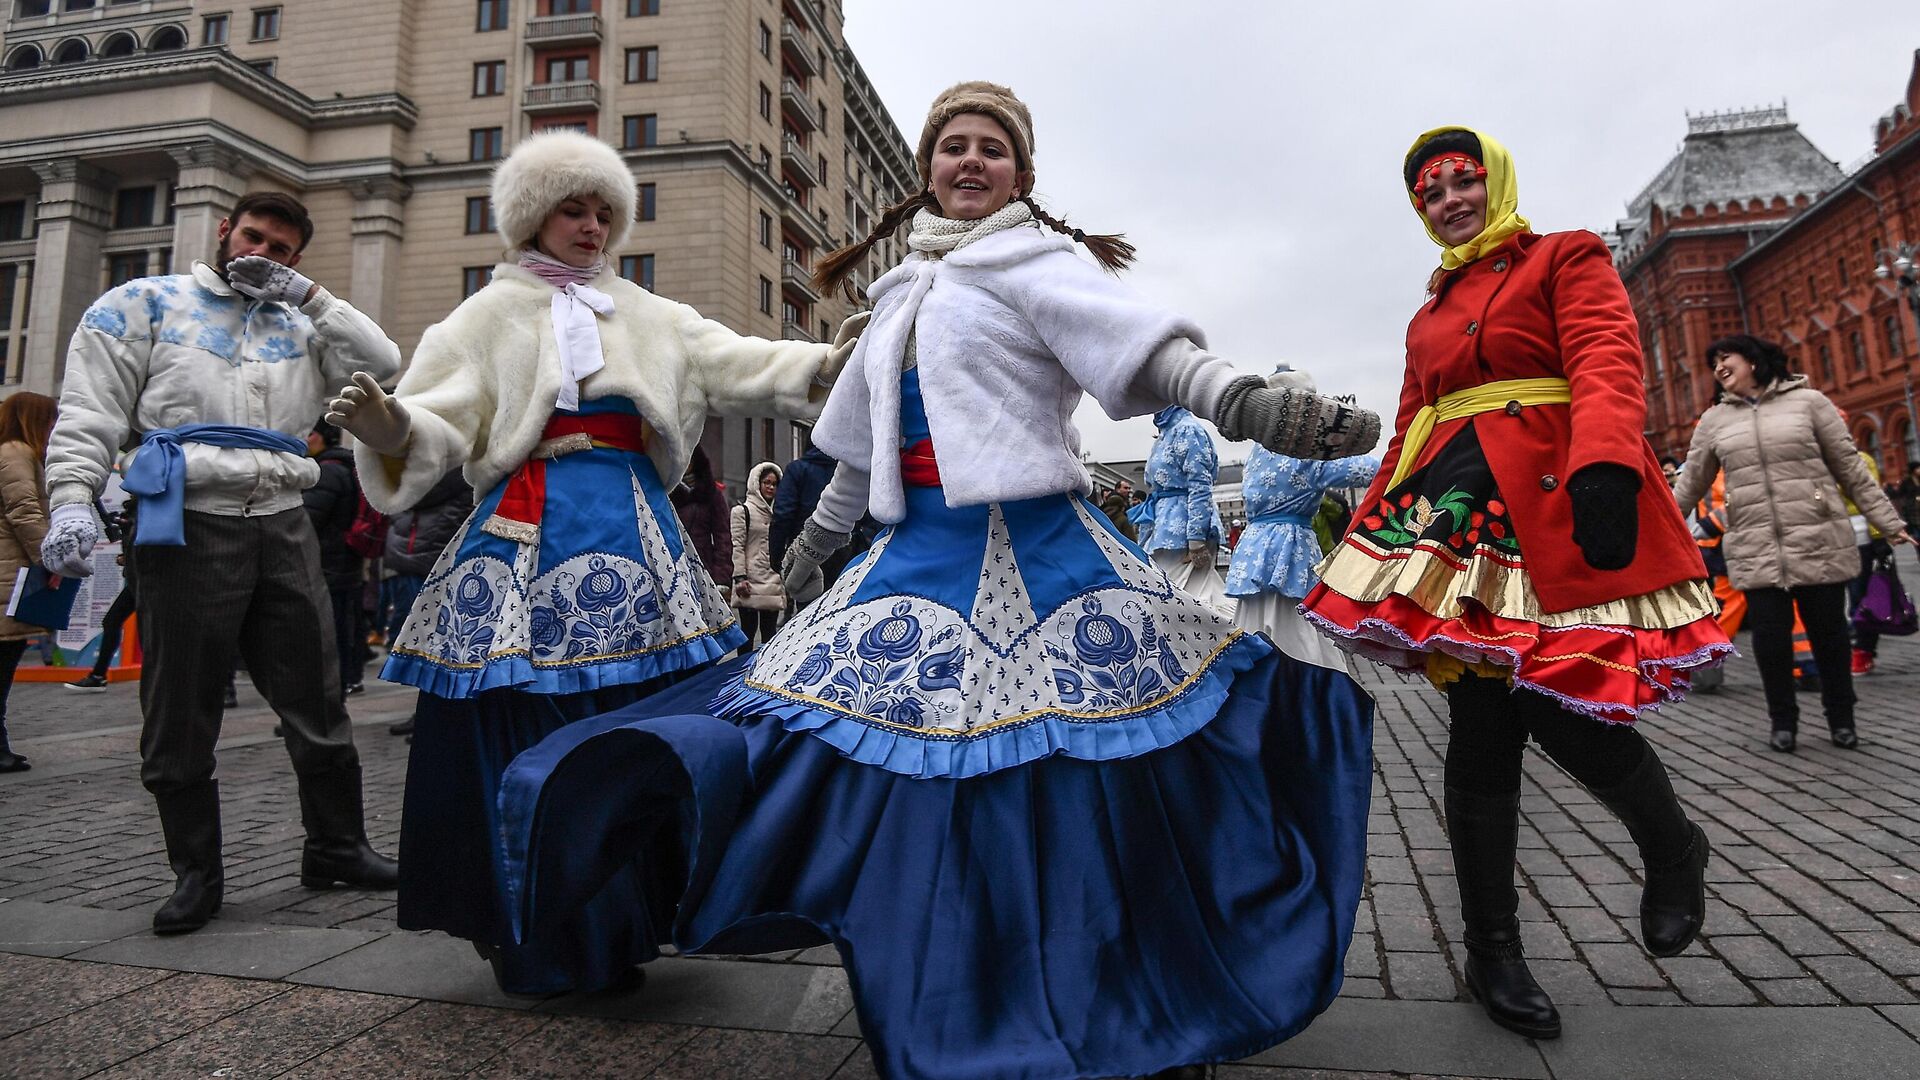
{"points": [[1435, 583]]}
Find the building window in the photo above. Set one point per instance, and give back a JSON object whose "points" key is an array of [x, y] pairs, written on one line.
{"points": [[643, 7], [483, 144], [1826, 365], [473, 279], [1890, 331], [124, 266], [266, 24], [636, 131], [569, 69], [27, 9], [479, 215], [489, 78], [213, 30], [766, 41], [570, 7], [133, 208], [265, 67], [823, 170], [1859, 347], [766, 102], [638, 269], [643, 65], [492, 15], [1840, 266], [766, 230], [766, 297], [647, 202], [13, 219], [766, 160]]}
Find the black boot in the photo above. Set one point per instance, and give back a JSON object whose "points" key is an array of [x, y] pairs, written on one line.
{"points": [[337, 848], [190, 820], [1674, 850], [1483, 832]]}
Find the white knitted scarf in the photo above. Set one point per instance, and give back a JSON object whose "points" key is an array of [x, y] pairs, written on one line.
{"points": [[936, 235]]}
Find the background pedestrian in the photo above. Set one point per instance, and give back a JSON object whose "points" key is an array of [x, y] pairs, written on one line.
{"points": [[757, 590], [331, 504], [1788, 462], [702, 505], [26, 419]]}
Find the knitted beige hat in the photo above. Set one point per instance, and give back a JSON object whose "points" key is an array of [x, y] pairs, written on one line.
{"points": [[989, 99]]}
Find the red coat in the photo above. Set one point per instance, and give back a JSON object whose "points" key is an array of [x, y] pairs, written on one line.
{"points": [[1543, 306]]}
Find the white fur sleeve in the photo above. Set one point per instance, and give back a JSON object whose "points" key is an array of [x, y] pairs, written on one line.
{"points": [[750, 376], [448, 395], [844, 501], [1182, 373]]}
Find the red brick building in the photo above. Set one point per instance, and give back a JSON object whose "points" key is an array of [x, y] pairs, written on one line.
{"points": [[1750, 228]]}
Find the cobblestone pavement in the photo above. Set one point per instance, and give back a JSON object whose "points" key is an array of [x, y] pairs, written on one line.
{"points": [[1815, 902]]}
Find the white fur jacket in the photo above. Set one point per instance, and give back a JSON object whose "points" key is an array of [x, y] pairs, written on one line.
{"points": [[1009, 331], [484, 380]]}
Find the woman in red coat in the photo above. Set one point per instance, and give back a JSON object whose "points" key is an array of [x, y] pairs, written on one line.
{"points": [[1521, 550]]}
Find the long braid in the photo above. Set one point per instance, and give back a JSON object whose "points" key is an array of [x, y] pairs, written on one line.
{"points": [[1111, 249], [834, 269]]}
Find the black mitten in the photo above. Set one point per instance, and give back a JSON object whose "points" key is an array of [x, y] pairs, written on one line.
{"points": [[1606, 514]]}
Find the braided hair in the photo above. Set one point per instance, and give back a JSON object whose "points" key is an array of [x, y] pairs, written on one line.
{"points": [[1111, 250]]}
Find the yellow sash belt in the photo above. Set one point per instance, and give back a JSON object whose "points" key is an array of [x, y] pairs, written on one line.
{"points": [[1471, 402]]}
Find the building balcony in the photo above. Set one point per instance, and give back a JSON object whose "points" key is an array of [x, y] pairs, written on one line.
{"points": [[798, 280], [563, 29], [798, 48], [794, 102], [793, 331], [561, 97], [795, 163]]}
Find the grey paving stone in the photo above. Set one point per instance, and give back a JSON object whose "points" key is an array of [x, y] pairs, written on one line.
{"points": [[1420, 977], [1704, 980], [42, 929], [1407, 1036], [1619, 965], [1859, 982], [1755, 957], [798, 998], [267, 1039], [1803, 991], [417, 965], [1750, 1043], [249, 950]]}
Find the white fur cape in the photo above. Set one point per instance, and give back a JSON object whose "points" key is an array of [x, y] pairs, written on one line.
{"points": [[482, 384], [1009, 331]]}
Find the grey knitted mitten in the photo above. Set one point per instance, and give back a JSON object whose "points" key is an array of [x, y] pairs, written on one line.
{"points": [[800, 569], [1295, 422]]}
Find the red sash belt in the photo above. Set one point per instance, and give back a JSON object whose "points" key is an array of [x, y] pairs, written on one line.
{"points": [[917, 465], [525, 499]]}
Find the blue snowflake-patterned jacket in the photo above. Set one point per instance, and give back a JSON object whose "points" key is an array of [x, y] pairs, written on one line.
{"points": [[160, 352], [1278, 550], [1180, 471]]}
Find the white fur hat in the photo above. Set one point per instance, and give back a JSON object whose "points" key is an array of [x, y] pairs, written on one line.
{"points": [[552, 166], [1285, 377]]}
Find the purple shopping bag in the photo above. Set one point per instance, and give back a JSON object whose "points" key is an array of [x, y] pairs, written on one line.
{"points": [[1886, 608]]}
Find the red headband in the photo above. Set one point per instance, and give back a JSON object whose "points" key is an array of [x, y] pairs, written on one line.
{"points": [[1462, 165]]}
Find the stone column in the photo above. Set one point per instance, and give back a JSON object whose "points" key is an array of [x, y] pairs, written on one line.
{"points": [[378, 228], [75, 205], [212, 178]]}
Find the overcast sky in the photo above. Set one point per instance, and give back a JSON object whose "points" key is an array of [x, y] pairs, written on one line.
{"points": [[1251, 149]]}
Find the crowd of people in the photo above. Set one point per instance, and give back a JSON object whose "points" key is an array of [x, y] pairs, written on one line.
{"points": [[1070, 801]]}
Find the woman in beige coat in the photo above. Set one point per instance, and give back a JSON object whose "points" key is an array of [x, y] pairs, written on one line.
{"points": [[26, 419], [757, 590], [1788, 459]]}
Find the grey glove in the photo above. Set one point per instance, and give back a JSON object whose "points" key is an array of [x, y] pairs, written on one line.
{"points": [[373, 416], [72, 531], [1199, 553], [263, 279], [1295, 422], [800, 569]]}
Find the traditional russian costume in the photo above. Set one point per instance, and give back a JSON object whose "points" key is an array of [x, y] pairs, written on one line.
{"points": [[1060, 818], [1180, 472]]}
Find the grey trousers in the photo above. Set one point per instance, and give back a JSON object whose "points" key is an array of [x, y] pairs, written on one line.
{"points": [[251, 583]]}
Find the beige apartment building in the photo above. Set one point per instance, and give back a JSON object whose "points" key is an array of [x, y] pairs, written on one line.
{"points": [[129, 127]]}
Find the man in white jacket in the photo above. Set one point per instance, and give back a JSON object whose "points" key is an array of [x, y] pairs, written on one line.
{"points": [[219, 374]]}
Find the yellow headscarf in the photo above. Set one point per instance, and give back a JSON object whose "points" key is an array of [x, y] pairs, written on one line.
{"points": [[1503, 201]]}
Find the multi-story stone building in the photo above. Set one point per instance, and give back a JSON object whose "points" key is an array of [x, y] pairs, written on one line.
{"points": [[1750, 228], [129, 127]]}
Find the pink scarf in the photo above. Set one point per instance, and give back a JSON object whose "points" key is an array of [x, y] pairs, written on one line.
{"points": [[577, 307], [556, 273]]}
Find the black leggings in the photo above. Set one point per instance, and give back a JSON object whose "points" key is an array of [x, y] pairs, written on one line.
{"points": [[10, 654], [758, 624], [1490, 726], [112, 624], [1823, 611]]}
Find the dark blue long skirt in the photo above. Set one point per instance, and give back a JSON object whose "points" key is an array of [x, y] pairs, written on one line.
{"points": [[1062, 918], [450, 875]]}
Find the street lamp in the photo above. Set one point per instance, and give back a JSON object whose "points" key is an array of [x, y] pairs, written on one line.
{"points": [[1901, 263]]}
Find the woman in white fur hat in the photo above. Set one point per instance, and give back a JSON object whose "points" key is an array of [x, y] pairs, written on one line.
{"points": [[566, 392], [1060, 818], [1273, 563]]}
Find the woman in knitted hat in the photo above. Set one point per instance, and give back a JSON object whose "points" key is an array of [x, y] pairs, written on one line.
{"points": [[566, 392], [1274, 561], [1521, 550], [1062, 819]]}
